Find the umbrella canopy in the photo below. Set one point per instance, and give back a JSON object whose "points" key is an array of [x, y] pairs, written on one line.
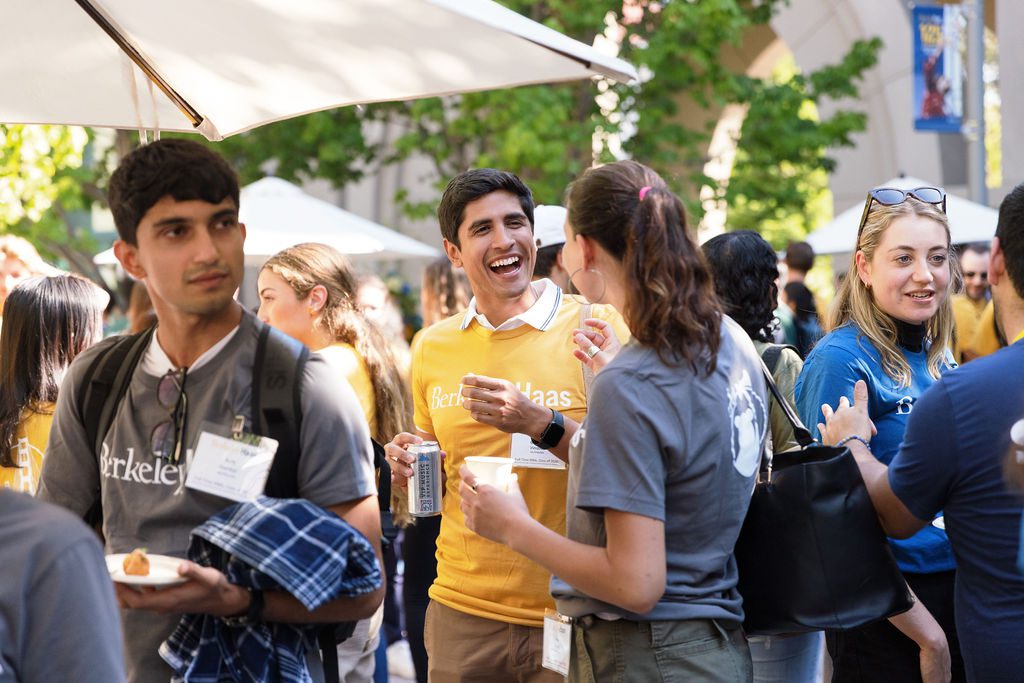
{"points": [[278, 214], [968, 221], [228, 66]]}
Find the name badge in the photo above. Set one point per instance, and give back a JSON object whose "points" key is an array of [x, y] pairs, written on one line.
{"points": [[526, 454], [234, 467], [557, 641]]}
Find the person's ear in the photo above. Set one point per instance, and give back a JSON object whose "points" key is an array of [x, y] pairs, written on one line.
{"points": [[128, 255], [996, 263], [317, 298], [863, 268], [453, 252], [587, 250]]}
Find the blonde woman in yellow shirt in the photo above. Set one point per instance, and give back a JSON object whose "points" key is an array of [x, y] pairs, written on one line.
{"points": [[308, 291], [47, 322]]}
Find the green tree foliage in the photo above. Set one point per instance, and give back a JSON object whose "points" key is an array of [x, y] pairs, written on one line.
{"points": [[547, 133], [781, 168], [328, 144], [46, 190]]}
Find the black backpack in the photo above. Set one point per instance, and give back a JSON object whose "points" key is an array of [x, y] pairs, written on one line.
{"points": [[277, 413]]}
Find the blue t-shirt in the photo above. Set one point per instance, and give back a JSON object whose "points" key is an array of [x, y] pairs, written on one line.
{"points": [[840, 359], [951, 460]]}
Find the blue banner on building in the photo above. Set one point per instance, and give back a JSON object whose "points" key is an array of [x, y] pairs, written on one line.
{"points": [[938, 72]]}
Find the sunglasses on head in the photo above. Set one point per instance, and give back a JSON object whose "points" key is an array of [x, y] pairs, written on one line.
{"points": [[891, 196]]}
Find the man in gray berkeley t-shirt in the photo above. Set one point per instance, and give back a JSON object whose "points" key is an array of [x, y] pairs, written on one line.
{"points": [[175, 204]]}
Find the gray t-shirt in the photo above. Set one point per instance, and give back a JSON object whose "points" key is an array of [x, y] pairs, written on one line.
{"points": [[145, 502], [58, 616], [662, 442]]}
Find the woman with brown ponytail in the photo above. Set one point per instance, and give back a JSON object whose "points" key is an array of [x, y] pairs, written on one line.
{"points": [[308, 292], [662, 468]]}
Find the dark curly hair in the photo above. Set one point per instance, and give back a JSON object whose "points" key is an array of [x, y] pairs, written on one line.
{"points": [[670, 304], [745, 271], [173, 167]]}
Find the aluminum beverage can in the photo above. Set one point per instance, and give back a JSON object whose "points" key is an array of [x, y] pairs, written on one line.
{"points": [[425, 484]]}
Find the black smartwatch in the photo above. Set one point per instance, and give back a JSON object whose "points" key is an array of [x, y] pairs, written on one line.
{"points": [[550, 437]]}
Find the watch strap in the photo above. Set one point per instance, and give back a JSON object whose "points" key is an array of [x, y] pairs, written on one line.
{"points": [[553, 433]]}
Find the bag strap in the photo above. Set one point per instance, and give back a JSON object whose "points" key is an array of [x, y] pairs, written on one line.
{"points": [[277, 407], [277, 412], [103, 386], [800, 432], [773, 353]]}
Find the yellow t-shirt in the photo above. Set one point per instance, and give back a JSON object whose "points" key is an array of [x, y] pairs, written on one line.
{"points": [[31, 439], [966, 314], [474, 575], [346, 360], [984, 341]]}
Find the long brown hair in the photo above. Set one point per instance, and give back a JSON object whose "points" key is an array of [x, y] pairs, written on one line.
{"points": [[47, 322], [670, 297], [855, 303]]}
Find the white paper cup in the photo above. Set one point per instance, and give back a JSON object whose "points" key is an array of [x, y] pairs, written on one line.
{"points": [[496, 472]]}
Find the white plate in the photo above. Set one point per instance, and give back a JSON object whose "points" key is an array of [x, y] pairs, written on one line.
{"points": [[939, 523], [163, 571]]}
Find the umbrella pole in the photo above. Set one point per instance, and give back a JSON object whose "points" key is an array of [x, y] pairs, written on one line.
{"points": [[188, 110]]}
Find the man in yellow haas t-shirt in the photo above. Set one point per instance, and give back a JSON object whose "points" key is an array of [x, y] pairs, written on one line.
{"points": [[485, 619]]}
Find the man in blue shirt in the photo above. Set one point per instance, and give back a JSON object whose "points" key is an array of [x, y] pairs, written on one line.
{"points": [[951, 459]]}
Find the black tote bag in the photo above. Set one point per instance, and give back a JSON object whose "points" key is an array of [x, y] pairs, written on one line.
{"points": [[811, 554]]}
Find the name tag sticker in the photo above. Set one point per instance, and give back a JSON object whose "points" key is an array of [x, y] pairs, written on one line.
{"points": [[557, 641], [525, 454], [231, 467]]}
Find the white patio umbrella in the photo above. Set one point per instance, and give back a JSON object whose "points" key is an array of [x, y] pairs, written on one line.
{"points": [[968, 221], [278, 214], [222, 67]]}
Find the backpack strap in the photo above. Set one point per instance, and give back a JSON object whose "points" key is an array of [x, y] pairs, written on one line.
{"points": [[102, 388], [772, 353], [276, 405]]}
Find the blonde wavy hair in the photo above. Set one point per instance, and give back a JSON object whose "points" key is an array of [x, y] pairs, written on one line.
{"points": [[303, 267], [855, 303]]}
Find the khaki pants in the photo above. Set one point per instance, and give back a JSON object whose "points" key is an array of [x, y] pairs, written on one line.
{"points": [[622, 651], [462, 648]]}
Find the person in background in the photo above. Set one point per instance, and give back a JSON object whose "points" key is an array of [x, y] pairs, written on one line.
{"points": [[549, 231], [662, 467], [969, 304], [987, 337], [951, 460], [891, 326], [445, 292], [19, 260], [376, 303], [140, 313], [806, 325], [799, 261], [308, 292], [49, 321], [59, 618], [745, 272]]}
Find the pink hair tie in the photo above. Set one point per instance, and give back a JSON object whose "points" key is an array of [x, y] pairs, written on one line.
{"points": [[643, 191]]}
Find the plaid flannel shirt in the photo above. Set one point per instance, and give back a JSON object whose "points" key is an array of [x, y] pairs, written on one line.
{"points": [[269, 544]]}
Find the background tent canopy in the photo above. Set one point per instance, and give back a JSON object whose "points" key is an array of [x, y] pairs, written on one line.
{"points": [[968, 221], [278, 214]]}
